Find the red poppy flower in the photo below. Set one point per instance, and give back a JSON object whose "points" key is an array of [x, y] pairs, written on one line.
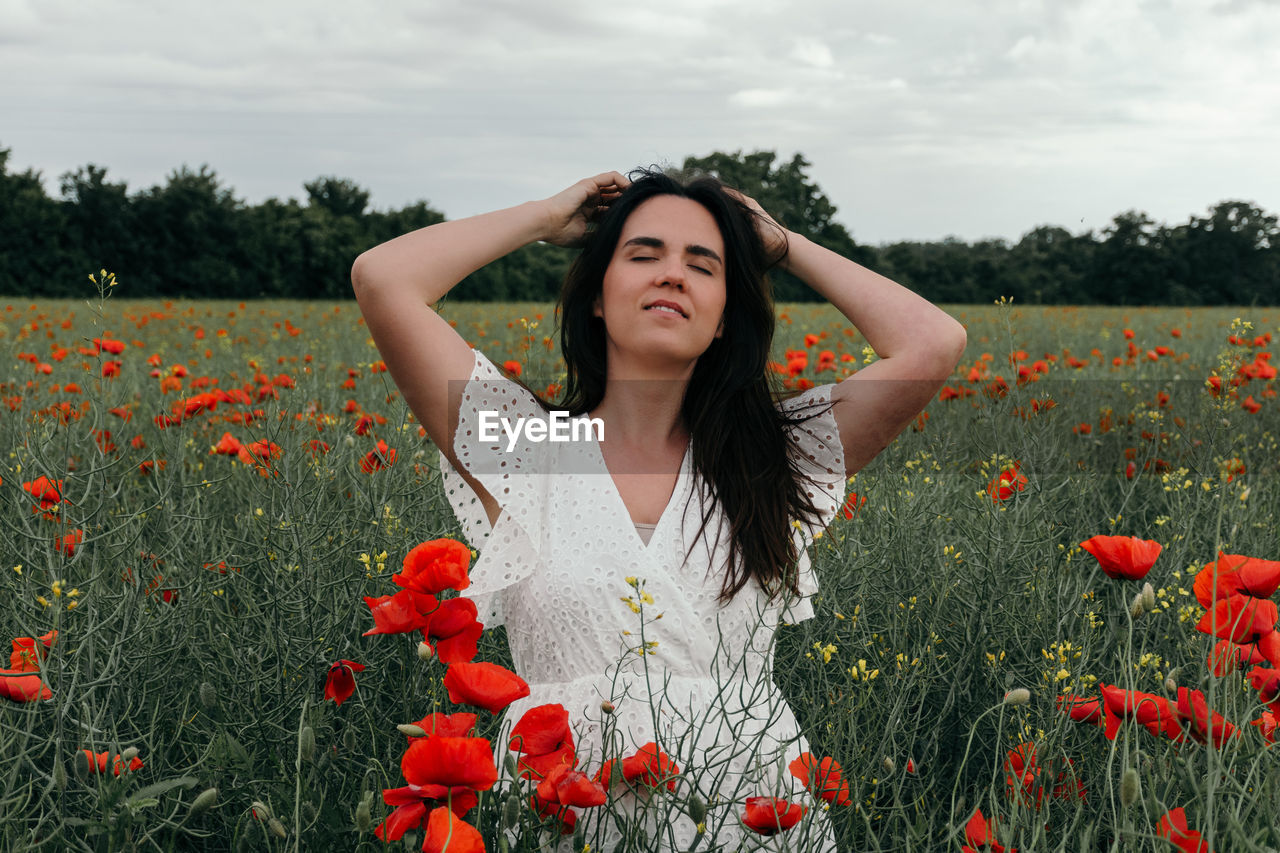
{"points": [[1266, 725], [823, 778], [1266, 681], [446, 725], [1173, 827], [1228, 657], [98, 763], [23, 685], [228, 445], [435, 566], [485, 685], [1241, 619], [450, 761], [650, 765], [374, 460], [770, 815], [68, 543], [981, 834], [566, 786], [1007, 482], [1081, 710], [454, 631], [544, 736], [1193, 709], [1153, 712], [446, 832], [341, 682], [29, 651], [401, 613], [412, 803], [1123, 557], [1236, 574], [48, 492]]}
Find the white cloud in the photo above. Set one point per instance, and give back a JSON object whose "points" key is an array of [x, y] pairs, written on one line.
{"points": [[812, 52]]}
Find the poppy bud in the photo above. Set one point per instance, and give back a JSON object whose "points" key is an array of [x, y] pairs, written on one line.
{"points": [[204, 802], [307, 743], [511, 811], [80, 765], [59, 775], [1129, 787], [503, 846], [208, 695], [128, 755], [276, 828], [888, 762], [425, 652], [1148, 597], [513, 769], [697, 809], [260, 810], [349, 739], [410, 730], [1018, 696], [1135, 607], [579, 838], [363, 818], [607, 706]]}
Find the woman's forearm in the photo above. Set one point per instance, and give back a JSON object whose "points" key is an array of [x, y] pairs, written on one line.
{"points": [[895, 321], [431, 260]]}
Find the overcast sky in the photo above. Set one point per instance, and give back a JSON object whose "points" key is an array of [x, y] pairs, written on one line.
{"points": [[922, 118]]}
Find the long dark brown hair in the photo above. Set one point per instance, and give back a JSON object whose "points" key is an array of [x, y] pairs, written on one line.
{"points": [[742, 451]]}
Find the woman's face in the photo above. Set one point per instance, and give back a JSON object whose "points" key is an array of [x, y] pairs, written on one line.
{"points": [[663, 294]]}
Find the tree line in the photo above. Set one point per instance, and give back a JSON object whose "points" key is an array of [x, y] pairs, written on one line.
{"points": [[191, 237]]}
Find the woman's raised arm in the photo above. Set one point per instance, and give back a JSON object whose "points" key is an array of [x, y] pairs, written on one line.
{"points": [[918, 343], [397, 282]]}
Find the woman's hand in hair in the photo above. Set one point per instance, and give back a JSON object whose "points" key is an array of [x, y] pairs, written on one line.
{"points": [[570, 212], [773, 235]]}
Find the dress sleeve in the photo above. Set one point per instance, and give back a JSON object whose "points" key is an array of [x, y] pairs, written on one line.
{"points": [[820, 458], [513, 473]]}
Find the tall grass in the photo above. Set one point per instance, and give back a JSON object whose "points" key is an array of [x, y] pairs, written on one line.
{"points": [[201, 611]]}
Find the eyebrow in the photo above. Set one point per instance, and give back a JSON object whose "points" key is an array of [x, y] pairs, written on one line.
{"points": [[692, 248]]}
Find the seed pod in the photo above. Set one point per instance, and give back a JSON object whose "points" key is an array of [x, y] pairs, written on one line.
{"points": [[1018, 696], [364, 819], [1148, 597], [410, 730], [697, 808], [1135, 607], [888, 762], [607, 706], [204, 802], [59, 775], [208, 695], [1129, 787], [276, 828], [307, 743], [425, 651]]}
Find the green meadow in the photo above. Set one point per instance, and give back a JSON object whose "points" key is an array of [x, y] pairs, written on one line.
{"points": [[201, 597]]}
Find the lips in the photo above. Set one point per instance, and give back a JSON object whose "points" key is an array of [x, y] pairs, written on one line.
{"points": [[665, 303]]}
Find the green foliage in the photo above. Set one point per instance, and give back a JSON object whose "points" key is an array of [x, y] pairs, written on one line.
{"points": [[935, 600], [191, 237]]}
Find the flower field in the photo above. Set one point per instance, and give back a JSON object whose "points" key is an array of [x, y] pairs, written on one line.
{"points": [[239, 618]]}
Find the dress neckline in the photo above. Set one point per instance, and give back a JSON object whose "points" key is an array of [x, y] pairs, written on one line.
{"points": [[621, 506]]}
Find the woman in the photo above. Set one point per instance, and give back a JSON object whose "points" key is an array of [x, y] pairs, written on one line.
{"points": [[695, 506]]}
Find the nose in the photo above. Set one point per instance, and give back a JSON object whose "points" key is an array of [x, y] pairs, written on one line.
{"points": [[673, 273]]}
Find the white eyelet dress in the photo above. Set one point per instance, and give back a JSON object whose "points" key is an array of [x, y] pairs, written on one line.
{"points": [[554, 570]]}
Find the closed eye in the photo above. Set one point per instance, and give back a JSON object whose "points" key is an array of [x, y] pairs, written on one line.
{"points": [[702, 270]]}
